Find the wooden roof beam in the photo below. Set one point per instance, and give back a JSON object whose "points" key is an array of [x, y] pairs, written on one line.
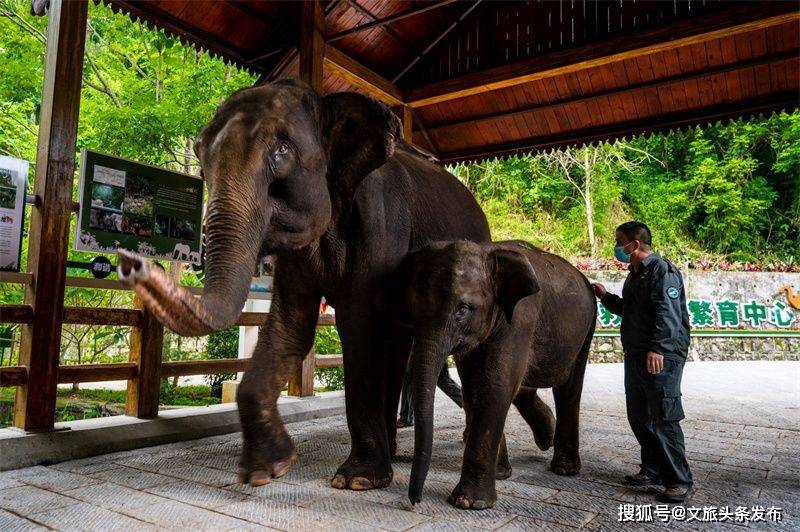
{"points": [[362, 77], [699, 29], [663, 123], [444, 129], [386, 29], [436, 41], [380, 22]]}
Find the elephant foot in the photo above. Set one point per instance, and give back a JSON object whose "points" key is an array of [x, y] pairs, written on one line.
{"points": [[467, 496], [565, 465], [260, 472], [502, 472], [358, 474], [544, 432]]}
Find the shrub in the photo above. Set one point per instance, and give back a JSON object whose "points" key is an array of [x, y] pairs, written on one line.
{"points": [[221, 345]]}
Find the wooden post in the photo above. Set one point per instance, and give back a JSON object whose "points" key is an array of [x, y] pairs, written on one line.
{"points": [[312, 52], [312, 45], [35, 404], [408, 124], [302, 382], [147, 342]]}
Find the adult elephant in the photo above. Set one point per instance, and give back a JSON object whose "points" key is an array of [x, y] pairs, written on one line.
{"points": [[327, 185]]}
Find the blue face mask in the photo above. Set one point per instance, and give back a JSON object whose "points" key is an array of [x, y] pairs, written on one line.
{"points": [[619, 253]]}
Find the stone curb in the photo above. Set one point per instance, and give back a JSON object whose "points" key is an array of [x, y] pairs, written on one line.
{"points": [[91, 437]]}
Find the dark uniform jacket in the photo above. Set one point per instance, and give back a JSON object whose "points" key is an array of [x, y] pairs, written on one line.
{"points": [[653, 309]]}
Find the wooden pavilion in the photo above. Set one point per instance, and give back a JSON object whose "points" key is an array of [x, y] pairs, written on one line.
{"points": [[470, 79]]}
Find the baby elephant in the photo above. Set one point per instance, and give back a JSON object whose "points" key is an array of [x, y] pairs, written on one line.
{"points": [[516, 319]]}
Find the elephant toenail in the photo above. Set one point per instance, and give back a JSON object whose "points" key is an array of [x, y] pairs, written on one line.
{"points": [[283, 467], [479, 505], [338, 482], [360, 483], [462, 502], [259, 478]]}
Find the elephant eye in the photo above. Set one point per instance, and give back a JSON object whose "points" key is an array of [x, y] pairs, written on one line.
{"points": [[283, 148], [463, 309]]}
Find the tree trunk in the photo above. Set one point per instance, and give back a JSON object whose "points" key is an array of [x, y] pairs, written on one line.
{"points": [[587, 200]]}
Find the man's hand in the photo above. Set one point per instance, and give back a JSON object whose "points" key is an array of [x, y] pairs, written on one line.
{"points": [[655, 362], [599, 290]]}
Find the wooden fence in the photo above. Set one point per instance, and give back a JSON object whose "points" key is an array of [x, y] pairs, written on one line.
{"points": [[145, 367]]}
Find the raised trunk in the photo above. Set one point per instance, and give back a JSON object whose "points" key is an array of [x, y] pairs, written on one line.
{"points": [[427, 361], [230, 262]]}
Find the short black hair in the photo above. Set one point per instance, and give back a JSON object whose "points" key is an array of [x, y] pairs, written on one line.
{"points": [[636, 231]]}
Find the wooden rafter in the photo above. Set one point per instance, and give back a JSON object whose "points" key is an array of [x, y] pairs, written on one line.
{"points": [[362, 77], [436, 41], [386, 29], [380, 22], [701, 29]]}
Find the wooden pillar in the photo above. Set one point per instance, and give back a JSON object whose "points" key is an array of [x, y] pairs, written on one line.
{"points": [[408, 124], [35, 404], [312, 45], [147, 342], [302, 382], [312, 51]]}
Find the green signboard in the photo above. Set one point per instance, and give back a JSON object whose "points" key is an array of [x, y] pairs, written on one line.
{"points": [[151, 211]]}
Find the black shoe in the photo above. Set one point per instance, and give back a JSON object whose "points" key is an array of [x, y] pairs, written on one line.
{"points": [[675, 494], [640, 479]]}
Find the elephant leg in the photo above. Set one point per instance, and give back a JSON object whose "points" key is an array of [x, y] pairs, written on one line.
{"points": [[397, 349], [365, 368], [566, 456], [283, 343], [538, 415], [503, 469], [487, 398]]}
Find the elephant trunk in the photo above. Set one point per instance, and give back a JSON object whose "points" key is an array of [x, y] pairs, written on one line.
{"points": [[427, 362], [231, 256]]}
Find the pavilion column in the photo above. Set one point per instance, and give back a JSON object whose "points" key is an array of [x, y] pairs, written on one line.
{"points": [[35, 404], [312, 45], [312, 51], [408, 124]]}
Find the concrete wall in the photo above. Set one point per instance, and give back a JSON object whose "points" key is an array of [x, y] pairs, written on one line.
{"points": [[704, 348]]}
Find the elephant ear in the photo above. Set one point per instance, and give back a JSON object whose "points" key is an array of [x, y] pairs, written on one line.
{"points": [[360, 135], [514, 279]]}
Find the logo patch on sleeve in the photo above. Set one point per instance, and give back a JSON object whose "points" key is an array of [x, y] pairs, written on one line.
{"points": [[673, 292]]}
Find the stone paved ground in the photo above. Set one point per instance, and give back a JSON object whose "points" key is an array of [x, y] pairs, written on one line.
{"points": [[742, 437]]}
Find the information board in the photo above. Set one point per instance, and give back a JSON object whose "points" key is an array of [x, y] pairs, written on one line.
{"points": [[13, 176], [154, 212]]}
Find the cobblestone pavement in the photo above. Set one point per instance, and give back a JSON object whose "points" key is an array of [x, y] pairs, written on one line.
{"points": [[742, 438]]}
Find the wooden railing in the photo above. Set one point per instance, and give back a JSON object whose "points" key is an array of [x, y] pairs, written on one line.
{"points": [[145, 367]]}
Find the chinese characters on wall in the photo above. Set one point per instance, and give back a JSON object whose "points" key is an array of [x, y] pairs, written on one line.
{"points": [[725, 313]]}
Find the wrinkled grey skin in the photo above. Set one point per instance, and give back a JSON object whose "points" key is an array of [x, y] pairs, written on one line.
{"points": [[516, 319], [327, 186]]}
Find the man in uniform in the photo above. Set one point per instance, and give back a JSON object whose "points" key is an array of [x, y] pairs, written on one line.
{"points": [[655, 338]]}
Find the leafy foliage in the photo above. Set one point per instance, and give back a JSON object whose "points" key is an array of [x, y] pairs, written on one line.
{"points": [[144, 97], [327, 342], [721, 192], [221, 345]]}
